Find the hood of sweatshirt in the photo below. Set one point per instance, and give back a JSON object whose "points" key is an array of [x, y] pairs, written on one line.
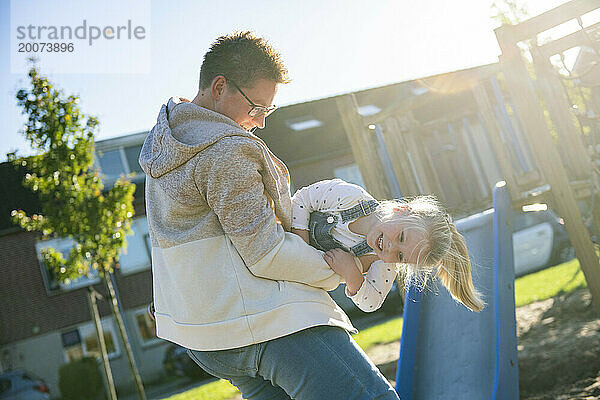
{"points": [[182, 130]]}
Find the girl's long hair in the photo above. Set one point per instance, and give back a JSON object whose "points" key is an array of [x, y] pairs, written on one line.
{"points": [[443, 251]]}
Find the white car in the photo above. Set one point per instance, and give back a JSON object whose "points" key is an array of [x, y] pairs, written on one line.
{"points": [[539, 241]]}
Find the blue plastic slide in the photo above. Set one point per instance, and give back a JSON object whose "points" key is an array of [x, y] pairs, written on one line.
{"points": [[448, 352]]}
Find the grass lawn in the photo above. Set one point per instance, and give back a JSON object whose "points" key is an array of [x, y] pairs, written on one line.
{"points": [[217, 390], [550, 282], [540, 285]]}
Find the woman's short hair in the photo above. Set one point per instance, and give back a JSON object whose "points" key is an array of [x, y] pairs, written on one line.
{"points": [[243, 58]]}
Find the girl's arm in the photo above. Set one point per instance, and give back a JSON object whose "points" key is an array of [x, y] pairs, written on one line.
{"points": [[306, 200], [327, 195], [367, 292], [367, 260], [378, 283]]}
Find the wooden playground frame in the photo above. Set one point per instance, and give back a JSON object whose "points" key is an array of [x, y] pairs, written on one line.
{"points": [[547, 162]]}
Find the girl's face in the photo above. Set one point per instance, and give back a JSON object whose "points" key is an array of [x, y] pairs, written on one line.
{"points": [[394, 242]]}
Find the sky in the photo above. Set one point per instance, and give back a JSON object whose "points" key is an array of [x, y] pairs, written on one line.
{"points": [[329, 47]]}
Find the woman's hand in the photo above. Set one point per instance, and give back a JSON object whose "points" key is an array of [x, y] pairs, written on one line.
{"points": [[344, 265]]}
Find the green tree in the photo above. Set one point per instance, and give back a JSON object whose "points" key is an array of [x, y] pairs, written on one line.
{"points": [[74, 202], [509, 12], [73, 199]]}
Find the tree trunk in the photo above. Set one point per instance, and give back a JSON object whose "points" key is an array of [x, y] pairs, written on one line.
{"points": [[125, 339]]}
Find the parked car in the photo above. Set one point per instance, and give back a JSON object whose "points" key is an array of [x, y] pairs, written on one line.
{"points": [[178, 363], [21, 385], [539, 241]]}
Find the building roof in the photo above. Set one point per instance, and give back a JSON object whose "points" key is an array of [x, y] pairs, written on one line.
{"points": [[297, 133], [440, 95], [14, 196]]}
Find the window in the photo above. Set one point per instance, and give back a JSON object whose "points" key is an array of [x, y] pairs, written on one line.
{"points": [[350, 173], [419, 90], [71, 342], [146, 327], [132, 155], [368, 110], [63, 246], [303, 123], [83, 341], [119, 161], [111, 164], [136, 256], [89, 338]]}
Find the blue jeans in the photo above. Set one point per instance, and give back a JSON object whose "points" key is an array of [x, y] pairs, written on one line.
{"points": [[318, 363]]}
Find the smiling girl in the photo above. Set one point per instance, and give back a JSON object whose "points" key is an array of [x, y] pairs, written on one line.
{"points": [[367, 242]]}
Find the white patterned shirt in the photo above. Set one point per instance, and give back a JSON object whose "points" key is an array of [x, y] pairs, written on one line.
{"points": [[332, 197]]}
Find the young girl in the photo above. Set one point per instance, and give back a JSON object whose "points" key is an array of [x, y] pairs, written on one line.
{"points": [[367, 242]]}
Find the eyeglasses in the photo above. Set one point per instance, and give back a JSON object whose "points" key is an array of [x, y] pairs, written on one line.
{"points": [[256, 110]]}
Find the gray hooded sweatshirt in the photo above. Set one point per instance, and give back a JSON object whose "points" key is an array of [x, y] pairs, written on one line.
{"points": [[226, 273]]}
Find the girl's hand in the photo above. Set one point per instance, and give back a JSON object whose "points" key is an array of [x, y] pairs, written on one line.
{"points": [[343, 264]]}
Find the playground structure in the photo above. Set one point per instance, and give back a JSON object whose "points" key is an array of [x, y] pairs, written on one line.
{"points": [[451, 353], [499, 122], [529, 121]]}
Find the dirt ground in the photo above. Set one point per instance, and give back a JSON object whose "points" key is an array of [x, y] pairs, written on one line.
{"points": [[559, 348], [558, 344]]}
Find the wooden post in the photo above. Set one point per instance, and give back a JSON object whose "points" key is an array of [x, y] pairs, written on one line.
{"points": [[569, 139], [439, 191], [551, 18], [364, 148], [108, 378], [477, 166], [455, 198], [137, 380], [414, 142], [491, 127], [526, 101], [395, 142]]}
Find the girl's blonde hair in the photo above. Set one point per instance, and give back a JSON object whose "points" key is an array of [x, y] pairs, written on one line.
{"points": [[444, 248]]}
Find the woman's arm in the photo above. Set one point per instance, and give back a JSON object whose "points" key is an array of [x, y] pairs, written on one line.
{"points": [[237, 196]]}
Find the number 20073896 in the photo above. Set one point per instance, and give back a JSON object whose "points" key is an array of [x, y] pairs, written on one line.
{"points": [[26, 47]]}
